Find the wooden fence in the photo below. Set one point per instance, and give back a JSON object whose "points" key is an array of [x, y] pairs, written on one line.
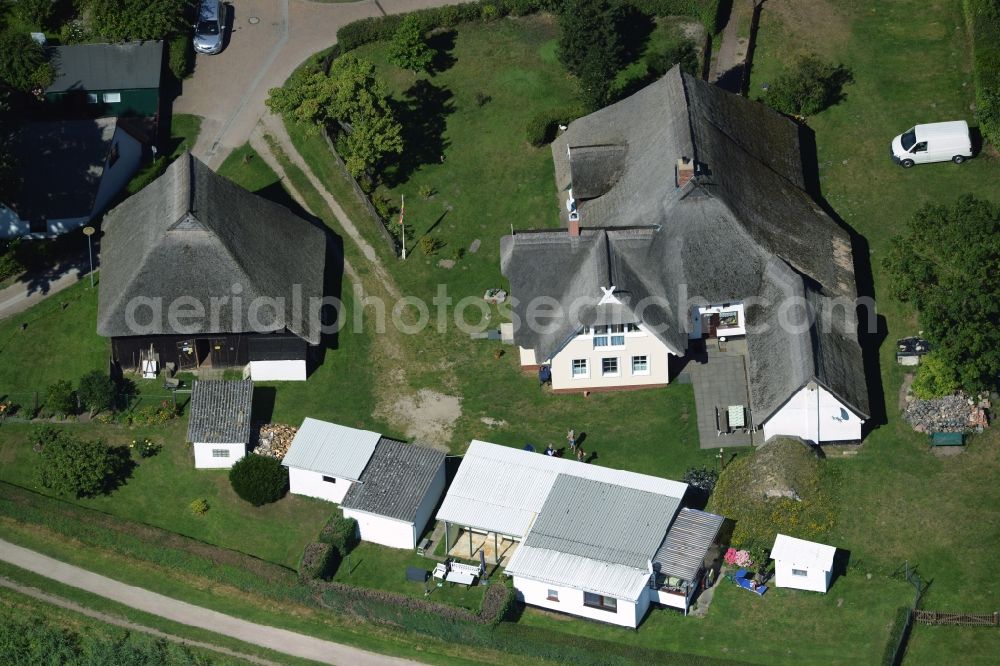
{"points": [[960, 619]]}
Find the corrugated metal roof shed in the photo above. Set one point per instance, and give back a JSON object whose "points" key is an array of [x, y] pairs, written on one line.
{"points": [[803, 554], [687, 542], [331, 449], [220, 412], [581, 573], [502, 489], [395, 481], [601, 521]]}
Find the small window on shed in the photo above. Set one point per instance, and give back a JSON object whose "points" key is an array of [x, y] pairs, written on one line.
{"points": [[92, 98], [799, 572], [112, 98], [330, 479], [553, 595], [220, 453]]}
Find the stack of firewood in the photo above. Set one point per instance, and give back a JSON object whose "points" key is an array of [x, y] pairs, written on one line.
{"points": [[275, 438]]}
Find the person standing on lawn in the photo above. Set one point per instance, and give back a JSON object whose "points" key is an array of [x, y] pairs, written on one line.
{"points": [[571, 438]]}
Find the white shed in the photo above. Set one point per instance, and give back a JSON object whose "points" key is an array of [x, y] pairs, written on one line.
{"points": [[326, 458], [219, 422], [801, 564]]}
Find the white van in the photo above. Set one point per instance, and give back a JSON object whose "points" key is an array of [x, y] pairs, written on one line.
{"points": [[934, 142]]}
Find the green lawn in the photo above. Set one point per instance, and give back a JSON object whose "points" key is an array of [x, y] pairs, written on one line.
{"points": [[911, 64]]}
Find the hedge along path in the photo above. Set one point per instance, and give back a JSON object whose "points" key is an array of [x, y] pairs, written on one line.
{"points": [[425, 415], [126, 624], [272, 638]]}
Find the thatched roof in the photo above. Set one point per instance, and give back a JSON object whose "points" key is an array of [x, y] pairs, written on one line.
{"points": [[743, 227], [193, 234]]}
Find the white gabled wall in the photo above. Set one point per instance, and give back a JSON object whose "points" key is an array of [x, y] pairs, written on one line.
{"points": [[12, 226], [117, 175], [383, 530], [278, 371], [636, 344], [571, 601], [815, 580], [311, 484], [203, 458], [811, 410]]}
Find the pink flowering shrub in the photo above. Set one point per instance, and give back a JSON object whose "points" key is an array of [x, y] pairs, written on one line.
{"points": [[739, 558]]}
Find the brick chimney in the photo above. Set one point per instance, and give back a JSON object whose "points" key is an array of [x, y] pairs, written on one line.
{"points": [[685, 171], [574, 224]]}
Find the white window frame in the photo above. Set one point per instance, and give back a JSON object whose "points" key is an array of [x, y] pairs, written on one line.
{"points": [[618, 340], [112, 98], [600, 341], [220, 453], [645, 361], [329, 479], [586, 368], [618, 367], [800, 572]]}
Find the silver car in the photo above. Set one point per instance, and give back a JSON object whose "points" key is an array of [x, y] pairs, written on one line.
{"points": [[209, 32]]}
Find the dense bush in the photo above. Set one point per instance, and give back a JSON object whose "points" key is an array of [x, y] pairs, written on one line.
{"points": [[77, 467], [180, 57], [408, 49], [945, 263], [810, 86], [60, 398], [259, 479], [35, 640], [96, 391], [983, 20], [341, 533], [702, 478], [198, 507], [935, 378], [131, 20], [35, 13], [319, 561], [23, 64], [543, 126], [10, 263]]}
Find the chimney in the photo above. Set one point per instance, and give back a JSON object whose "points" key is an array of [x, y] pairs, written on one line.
{"points": [[574, 224], [685, 171]]}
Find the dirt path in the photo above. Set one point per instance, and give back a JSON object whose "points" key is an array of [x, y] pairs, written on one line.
{"points": [[730, 57], [126, 624], [272, 638]]}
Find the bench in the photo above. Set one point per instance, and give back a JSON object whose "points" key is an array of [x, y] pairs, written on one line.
{"points": [[947, 439]]}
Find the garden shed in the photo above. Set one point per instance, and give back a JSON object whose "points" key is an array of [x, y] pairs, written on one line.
{"points": [[219, 422], [801, 564]]}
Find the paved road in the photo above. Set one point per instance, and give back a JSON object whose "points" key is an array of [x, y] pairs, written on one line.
{"points": [[228, 90], [22, 295], [279, 640]]}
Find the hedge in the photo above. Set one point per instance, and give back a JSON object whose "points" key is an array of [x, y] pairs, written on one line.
{"points": [[380, 28], [319, 561], [341, 533], [983, 20], [180, 56]]}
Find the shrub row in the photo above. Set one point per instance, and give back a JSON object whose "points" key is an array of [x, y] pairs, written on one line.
{"points": [[380, 28], [341, 533], [319, 561], [180, 56], [145, 543], [983, 20], [542, 127]]}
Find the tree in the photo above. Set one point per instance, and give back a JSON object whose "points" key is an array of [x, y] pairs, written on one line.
{"points": [[77, 467], [809, 87], [10, 174], [590, 46], [61, 398], [259, 479], [408, 48], [96, 391], [35, 13], [351, 97], [946, 264], [23, 65], [129, 20]]}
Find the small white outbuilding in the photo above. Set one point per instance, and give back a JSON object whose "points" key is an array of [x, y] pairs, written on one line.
{"points": [[219, 422], [801, 564]]}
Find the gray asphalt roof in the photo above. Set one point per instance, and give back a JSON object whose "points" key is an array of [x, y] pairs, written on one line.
{"points": [[193, 234], [331, 449], [220, 411], [61, 164], [395, 481], [602, 521], [687, 542], [106, 66], [744, 227]]}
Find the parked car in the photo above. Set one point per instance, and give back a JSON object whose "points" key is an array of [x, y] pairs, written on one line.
{"points": [[933, 142], [210, 31]]}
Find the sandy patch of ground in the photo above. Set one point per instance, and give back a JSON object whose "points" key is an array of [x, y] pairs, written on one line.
{"points": [[428, 417], [493, 423], [818, 26]]}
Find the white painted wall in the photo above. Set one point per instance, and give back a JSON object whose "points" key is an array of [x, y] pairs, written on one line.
{"points": [[311, 484], [571, 601], [636, 344], [810, 411], [203, 458], [384, 530], [12, 226], [116, 176], [672, 600], [816, 580], [527, 356], [278, 371]]}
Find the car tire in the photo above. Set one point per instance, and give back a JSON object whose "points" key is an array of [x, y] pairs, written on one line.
{"points": [[906, 164], [958, 159]]}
